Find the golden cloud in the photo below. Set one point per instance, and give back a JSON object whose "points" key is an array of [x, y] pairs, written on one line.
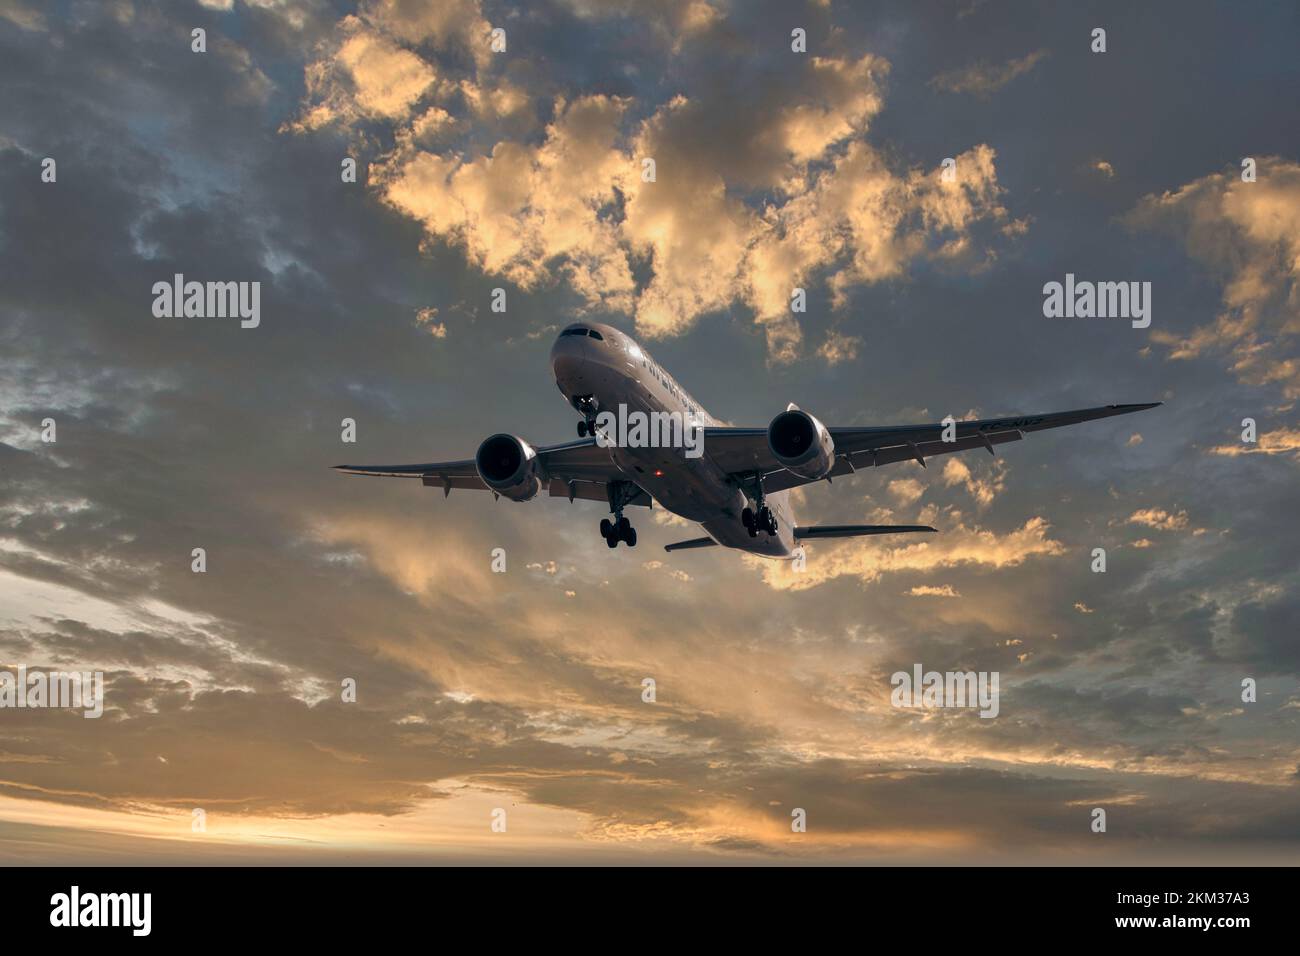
{"points": [[1248, 234], [574, 206], [1277, 441], [955, 547], [1159, 518]]}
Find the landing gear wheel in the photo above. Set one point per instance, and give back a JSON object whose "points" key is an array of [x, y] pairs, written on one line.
{"points": [[620, 529], [760, 517]]}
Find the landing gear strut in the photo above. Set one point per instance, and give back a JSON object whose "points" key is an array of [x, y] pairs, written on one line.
{"points": [[620, 529], [761, 520], [586, 406]]}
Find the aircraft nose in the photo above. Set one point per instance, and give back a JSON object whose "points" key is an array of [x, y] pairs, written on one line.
{"points": [[568, 355]]}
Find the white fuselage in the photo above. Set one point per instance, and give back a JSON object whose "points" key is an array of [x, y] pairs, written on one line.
{"points": [[614, 371]]}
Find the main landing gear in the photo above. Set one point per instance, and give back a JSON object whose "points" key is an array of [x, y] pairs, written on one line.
{"points": [[761, 520], [620, 529]]}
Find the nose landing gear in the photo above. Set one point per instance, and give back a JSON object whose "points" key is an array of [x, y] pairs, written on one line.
{"points": [[587, 407]]}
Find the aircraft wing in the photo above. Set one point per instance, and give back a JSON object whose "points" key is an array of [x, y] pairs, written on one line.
{"points": [[576, 469], [740, 451]]}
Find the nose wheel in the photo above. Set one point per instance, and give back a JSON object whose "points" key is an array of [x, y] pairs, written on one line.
{"points": [[587, 407]]}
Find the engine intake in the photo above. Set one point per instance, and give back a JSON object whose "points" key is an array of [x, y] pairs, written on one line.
{"points": [[508, 465], [801, 444]]}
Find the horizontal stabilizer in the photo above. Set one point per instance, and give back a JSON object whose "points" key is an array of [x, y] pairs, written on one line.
{"points": [[693, 543], [853, 530]]}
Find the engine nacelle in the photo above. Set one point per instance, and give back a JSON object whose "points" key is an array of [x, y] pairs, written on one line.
{"points": [[801, 444], [508, 465]]}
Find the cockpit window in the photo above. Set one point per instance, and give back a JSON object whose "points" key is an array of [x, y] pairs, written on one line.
{"points": [[579, 330]]}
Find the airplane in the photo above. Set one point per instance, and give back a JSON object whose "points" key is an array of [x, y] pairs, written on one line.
{"points": [[737, 489]]}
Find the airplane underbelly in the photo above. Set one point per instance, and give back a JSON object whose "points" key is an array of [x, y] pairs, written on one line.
{"points": [[692, 488]]}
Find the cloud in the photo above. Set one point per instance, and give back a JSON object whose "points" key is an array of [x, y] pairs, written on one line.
{"points": [[929, 590], [444, 25], [427, 318], [1275, 441], [526, 213], [839, 348], [367, 76], [24, 14], [1248, 236], [984, 79], [1159, 518], [957, 546], [577, 207], [957, 472], [906, 490]]}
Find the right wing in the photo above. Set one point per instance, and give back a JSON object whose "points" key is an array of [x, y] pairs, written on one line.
{"points": [[576, 469], [744, 451]]}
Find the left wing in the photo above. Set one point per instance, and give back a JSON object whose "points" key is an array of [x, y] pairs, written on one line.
{"points": [[741, 451], [575, 469]]}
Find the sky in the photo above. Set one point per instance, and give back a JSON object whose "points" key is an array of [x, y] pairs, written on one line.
{"points": [[522, 169]]}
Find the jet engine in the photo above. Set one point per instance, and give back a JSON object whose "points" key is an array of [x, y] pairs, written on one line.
{"points": [[801, 444], [508, 465]]}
